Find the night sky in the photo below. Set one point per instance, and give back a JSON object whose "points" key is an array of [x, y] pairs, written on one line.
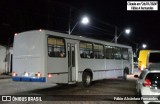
{"points": [[23, 15]]}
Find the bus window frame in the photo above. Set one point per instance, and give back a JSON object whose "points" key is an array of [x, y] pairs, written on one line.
{"points": [[112, 54], [115, 47], [122, 54], [57, 37], [80, 50], [98, 49]]}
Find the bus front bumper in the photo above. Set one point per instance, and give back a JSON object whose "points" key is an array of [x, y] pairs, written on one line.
{"points": [[29, 79]]}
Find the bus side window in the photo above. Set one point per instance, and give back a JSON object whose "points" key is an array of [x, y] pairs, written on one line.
{"points": [[92, 55], [98, 51], [85, 50], [83, 55], [62, 54], [117, 53], [125, 55], [109, 52], [56, 46], [52, 54]]}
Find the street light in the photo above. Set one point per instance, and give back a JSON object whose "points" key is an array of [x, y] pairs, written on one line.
{"points": [[84, 20], [144, 46], [127, 31]]}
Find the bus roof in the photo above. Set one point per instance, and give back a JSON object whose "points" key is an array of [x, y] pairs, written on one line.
{"points": [[48, 32]]}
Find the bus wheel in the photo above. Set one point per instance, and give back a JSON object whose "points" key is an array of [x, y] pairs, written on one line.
{"points": [[86, 78]]}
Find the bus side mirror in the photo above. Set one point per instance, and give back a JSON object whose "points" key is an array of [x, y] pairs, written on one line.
{"points": [[136, 76]]}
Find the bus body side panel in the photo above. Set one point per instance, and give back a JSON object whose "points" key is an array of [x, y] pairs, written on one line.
{"points": [[127, 64], [96, 65], [56, 66], [114, 68], [28, 57], [101, 68]]}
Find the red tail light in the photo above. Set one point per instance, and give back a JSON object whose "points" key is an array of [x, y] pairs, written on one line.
{"points": [[38, 74], [50, 75], [147, 82], [14, 74]]}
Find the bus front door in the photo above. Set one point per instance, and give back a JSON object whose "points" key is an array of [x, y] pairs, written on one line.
{"points": [[72, 60]]}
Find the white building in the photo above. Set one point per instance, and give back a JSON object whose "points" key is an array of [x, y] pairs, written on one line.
{"points": [[5, 59]]}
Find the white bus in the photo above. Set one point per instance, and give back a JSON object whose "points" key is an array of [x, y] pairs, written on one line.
{"points": [[46, 56]]}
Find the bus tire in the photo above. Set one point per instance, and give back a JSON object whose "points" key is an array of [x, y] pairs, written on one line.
{"points": [[86, 79]]}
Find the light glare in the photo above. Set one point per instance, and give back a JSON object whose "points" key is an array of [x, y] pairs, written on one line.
{"points": [[15, 34], [85, 20], [144, 45], [127, 31]]}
